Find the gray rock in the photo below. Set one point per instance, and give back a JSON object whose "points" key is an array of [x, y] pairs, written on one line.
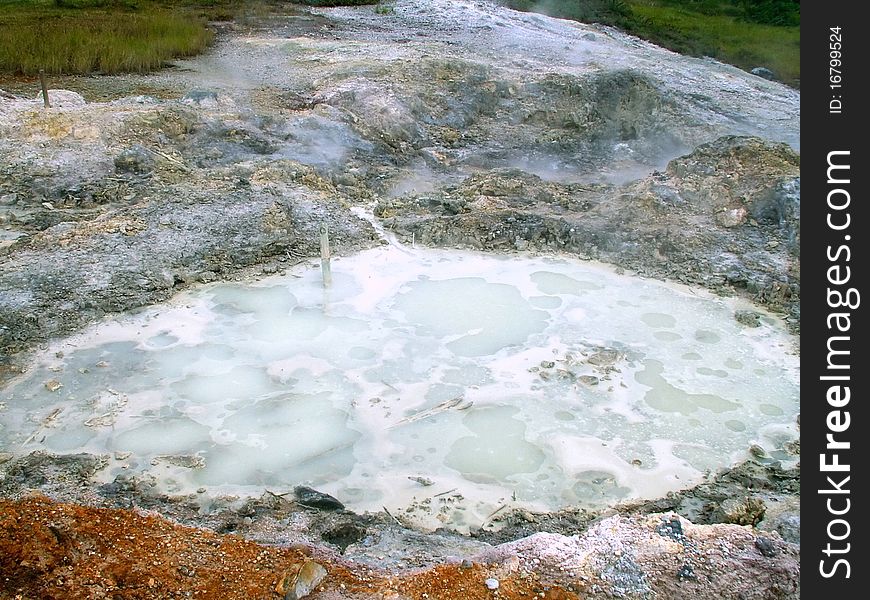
{"points": [[766, 547], [672, 528], [424, 481], [757, 451], [604, 357], [783, 516], [789, 527], [686, 572], [202, 98], [750, 318], [310, 497], [764, 73], [492, 583]]}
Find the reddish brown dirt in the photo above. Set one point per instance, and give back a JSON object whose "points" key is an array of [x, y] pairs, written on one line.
{"points": [[51, 550]]}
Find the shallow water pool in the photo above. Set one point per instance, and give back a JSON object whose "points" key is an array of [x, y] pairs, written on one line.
{"points": [[537, 382]]}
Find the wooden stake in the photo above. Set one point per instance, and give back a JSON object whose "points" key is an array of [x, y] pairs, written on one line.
{"points": [[44, 88], [324, 256]]}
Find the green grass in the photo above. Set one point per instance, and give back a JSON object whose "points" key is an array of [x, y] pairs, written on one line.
{"points": [[745, 33], [725, 37], [337, 2], [104, 36], [112, 36]]}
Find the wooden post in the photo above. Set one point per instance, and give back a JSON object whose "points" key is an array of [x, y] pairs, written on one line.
{"points": [[44, 88], [324, 256]]}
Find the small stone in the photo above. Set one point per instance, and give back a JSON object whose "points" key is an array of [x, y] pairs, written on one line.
{"points": [[424, 481], [52, 385], [604, 357], [492, 583], [766, 547], [547, 364], [764, 73], [686, 572], [202, 98], [466, 564], [757, 451], [749, 318], [743, 511], [672, 528], [588, 380], [299, 584], [310, 497], [788, 526]]}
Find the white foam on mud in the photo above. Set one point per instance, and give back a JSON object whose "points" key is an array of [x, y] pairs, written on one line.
{"points": [[537, 382]]}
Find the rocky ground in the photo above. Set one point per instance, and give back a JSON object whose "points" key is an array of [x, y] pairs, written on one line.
{"points": [[67, 551], [456, 124]]}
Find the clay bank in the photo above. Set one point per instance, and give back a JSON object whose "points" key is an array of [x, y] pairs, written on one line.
{"points": [[557, 358]]}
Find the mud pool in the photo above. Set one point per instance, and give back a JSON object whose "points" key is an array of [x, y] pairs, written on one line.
{"points": [[538, 382]]}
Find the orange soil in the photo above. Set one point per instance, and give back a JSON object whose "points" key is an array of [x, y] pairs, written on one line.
{"points": [[51, 550]]}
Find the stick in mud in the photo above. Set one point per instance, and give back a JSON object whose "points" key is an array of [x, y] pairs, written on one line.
{"points": [[325, 267], [389, 514], [44, 88]]}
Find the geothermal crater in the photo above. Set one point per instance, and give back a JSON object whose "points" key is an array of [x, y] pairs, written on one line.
{"points": [[482, 380], [566, 283]]}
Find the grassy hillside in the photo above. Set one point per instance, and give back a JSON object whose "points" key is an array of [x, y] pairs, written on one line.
{"points": [[110, 36], [745, 33], [106, 36]]}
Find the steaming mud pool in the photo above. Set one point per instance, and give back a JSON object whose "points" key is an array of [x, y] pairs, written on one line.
{"points": [[438, 384]]}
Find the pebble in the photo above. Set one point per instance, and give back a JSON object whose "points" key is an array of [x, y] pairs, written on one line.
{"points": [[295, 586], [52, 385], [763, 73], [307, 496], [766, 547], [757, 451], [492, 583]]}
